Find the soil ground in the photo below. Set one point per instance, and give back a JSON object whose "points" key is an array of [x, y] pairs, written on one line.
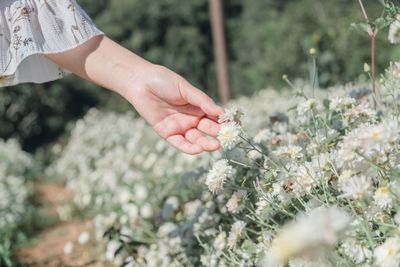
{"points": [[47, 247]]}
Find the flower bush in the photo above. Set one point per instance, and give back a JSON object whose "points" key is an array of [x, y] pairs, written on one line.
{"points": [[16, 167], [125, 176], [121, 173], [305, 185], [314, 186], [320, 193], [306, 178]]}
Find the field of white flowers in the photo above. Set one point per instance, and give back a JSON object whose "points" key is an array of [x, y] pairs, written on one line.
{"points": [[305, 178], [16, 167]]}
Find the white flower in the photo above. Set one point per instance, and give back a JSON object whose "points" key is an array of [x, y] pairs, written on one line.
{"points": [[308, 105], [130, 262], [306, 178], [237, 232], [210, 260], [218, 174], [356, 187], [254, 154], [229, 135], [263, 136], [146, 211], [355, 251], [278, 190], [131, 210], [123, 219], [124, 195], [373, 142], [396, 70], [394, 32], [345, 177], [220, 242], [388, 254], [166, 229], [235, 203], [338, 103], [306, 109], [68, 248], [232, 114], [173, 201], [141, 192], [191, 208], [325, 134], [381, 134], [367, 68], [320, 227], [111, 248], [363, 110], [383, 198], [83, 238], [290, 151], [262, 204]]}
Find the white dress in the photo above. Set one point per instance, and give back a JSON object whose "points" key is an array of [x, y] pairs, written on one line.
{"points": [[29, 29]]}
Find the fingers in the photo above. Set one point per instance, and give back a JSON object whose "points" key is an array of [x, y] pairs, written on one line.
{"points": [[198, 98], [179, 142], [175, 124], [196, 137], [209, 127]]}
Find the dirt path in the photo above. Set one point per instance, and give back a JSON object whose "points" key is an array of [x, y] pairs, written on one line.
{"points": [[47, 249]]}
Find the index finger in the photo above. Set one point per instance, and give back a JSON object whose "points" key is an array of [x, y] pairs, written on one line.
{"points": [[198, 98]]}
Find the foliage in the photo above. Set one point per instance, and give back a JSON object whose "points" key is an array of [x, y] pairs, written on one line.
{"points": [[308, 183], [265, 39], [288, 29], [321, 175], [36, 114], [121, 173]]}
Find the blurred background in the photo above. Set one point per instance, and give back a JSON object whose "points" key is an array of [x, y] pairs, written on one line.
{"points": [[265, 39]]}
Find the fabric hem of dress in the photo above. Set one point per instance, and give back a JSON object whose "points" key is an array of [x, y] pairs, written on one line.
{"points": [[4, 85], [38, 52]]}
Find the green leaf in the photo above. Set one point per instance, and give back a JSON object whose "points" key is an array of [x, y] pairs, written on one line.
{"points": [[363, 27], [381, 23], [268, 175], [248, 247], [326, 102]]}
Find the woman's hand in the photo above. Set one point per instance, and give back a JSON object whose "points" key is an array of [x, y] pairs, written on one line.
{"points": [[178, 112]]}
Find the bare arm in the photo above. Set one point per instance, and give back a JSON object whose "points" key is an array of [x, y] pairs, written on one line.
{"points": [[178, 112]]}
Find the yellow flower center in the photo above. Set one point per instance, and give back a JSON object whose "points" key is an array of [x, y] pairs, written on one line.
{"points": [[376, 135], [227, 135], [381, 218], [290, 152], [390, 252], [383, 190], [359, 195]]}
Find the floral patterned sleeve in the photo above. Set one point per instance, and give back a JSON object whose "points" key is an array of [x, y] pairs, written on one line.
{"points": [[29, 29]]}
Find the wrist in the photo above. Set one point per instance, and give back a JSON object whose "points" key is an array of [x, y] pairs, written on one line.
{"points": [[136, 79], [148, 76]]}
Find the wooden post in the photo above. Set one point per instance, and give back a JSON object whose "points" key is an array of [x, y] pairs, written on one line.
{"points": [[217, 23]]}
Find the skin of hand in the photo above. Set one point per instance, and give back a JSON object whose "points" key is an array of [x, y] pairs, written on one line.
{"points": [[180, 113]]}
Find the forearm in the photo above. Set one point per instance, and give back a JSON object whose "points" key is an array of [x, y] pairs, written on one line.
{"points": [[104, 62], [176, 110]]}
